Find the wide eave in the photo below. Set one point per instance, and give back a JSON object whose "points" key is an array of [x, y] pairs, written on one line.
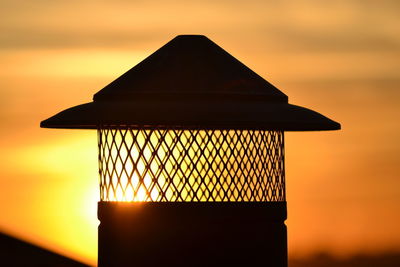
{"points": [[191, 115]]}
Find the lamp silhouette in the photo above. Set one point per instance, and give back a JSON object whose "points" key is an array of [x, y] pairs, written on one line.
{"points": [[191, 160]]}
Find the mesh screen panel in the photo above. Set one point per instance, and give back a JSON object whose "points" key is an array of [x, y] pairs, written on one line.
{"points": [[191, 165]]}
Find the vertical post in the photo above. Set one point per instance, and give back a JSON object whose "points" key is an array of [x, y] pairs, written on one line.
{"points": [[192, 234]]}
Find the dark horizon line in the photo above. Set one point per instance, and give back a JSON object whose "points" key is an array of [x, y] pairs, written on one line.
{"points": [[12, 248], [17, 252]]}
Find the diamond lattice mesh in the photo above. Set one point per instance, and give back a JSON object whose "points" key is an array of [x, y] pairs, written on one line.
{"points": [[191, 165]]}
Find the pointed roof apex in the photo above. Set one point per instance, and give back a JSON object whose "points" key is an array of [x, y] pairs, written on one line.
{"points": [[190, 65]]}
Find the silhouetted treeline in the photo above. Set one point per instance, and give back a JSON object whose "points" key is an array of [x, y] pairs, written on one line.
{"points": [[389, 259]]}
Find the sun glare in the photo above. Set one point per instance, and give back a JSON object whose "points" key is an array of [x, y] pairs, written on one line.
{"points": [[128, 195]]}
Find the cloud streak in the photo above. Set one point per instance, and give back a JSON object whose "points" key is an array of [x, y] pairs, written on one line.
{"points": [[294, 25]]}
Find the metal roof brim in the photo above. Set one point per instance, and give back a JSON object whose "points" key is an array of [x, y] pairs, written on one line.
{"points": [[229, 115]]}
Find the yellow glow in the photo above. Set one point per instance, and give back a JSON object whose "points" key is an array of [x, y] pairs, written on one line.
{"points": [[128, 195], [196, 165]]}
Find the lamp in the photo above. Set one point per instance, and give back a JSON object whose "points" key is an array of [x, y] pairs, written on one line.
{"points": [[191, 160]]}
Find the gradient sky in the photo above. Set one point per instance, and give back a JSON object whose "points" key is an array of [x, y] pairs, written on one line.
{"points": [[341, 58]]}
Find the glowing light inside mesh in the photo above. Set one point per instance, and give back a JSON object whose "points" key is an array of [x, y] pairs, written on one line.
{"points": [[182, 165]]}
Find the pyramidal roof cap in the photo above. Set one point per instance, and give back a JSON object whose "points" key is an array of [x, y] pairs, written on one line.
{"points": [[190, 65], [191, 82]]}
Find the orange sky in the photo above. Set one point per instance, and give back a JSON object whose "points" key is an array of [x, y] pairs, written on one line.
{"points": [[340, 58]]}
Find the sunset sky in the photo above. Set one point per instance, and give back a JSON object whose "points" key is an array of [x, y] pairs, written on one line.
{"points": [[340, 58]]}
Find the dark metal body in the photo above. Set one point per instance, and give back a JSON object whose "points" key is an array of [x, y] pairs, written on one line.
{"points": [[191, 84], [192, 234]]}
